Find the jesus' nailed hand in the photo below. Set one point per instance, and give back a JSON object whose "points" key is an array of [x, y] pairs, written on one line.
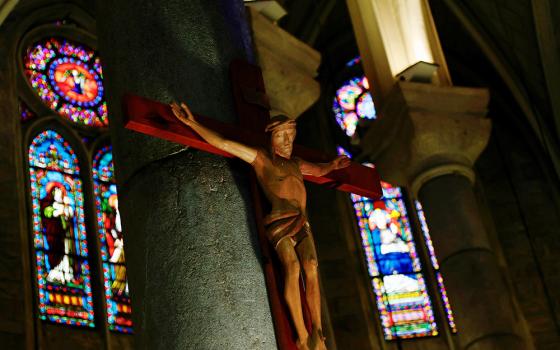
{"points": [[281, 178]]}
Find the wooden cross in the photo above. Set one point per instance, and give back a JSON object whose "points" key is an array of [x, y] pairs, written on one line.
{"points": [[157, 119]]}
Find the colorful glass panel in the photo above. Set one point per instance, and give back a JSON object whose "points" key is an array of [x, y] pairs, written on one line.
{"points": [[352, 103], [25, 112], [68, 78], [393, 264], [119, 311], [59, 232], [435, 264]]}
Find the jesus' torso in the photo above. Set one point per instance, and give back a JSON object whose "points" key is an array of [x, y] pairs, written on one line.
{"points": [[282, 182]]}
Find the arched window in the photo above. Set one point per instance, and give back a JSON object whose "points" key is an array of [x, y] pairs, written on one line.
{"points": [[397, 279], [59, 232], [398, 274], [112, 243], [435, 265], [75, 242]]}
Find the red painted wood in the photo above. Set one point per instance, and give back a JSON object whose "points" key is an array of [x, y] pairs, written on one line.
{"points": [[157, 119]]}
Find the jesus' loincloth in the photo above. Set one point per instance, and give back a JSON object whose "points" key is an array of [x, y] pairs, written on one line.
{"points": [[290, 224]]}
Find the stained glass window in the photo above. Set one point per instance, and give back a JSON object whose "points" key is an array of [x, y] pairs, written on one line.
{"points": [[398, 283], [353, 101], [112, 245], [394, 267], [397, 277], [68, 78], [435, 264], [59, 232]]}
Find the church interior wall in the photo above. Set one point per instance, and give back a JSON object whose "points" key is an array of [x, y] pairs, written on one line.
{"points": [[517, 189], [520, 201]]}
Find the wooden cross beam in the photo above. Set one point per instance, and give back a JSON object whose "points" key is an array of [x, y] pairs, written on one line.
{"points": [[156, 119]]}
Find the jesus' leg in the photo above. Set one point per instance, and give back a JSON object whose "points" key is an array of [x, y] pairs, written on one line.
{"points": [[308, 257], [290, 263]]}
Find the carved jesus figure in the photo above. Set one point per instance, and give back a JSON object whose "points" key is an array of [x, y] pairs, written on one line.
{"points": [[287, 228]]}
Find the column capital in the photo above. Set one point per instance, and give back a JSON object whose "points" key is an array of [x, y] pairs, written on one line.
{"points": [[425, 131]]}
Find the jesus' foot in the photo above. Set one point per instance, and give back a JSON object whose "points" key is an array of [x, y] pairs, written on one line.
{"points": [[318, 340]]}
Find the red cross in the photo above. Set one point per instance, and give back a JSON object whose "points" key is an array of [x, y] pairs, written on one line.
{"points": [[157, 119]]}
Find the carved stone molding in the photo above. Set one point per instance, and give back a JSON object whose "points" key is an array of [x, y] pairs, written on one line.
{"points": [[425, 131]]}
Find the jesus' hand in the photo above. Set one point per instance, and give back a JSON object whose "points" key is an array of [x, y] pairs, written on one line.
{"points": [[239, 150], [340, 162], [183, 113]]}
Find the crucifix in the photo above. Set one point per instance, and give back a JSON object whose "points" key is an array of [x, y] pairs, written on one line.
{"points": [[280, 175]]}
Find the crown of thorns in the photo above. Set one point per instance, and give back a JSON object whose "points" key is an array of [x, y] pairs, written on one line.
{"points": [[279, 122]]}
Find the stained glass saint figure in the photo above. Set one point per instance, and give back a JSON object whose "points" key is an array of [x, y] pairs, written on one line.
{"points": [[57, 214], [388, 237], [119, 311], [63, 273]]}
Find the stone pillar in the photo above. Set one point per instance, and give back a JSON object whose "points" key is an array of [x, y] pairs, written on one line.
{"points": [[193, 264], [428, 139], [288, 65], [393, 36]]}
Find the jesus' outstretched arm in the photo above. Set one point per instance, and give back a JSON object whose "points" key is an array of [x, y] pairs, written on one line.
{"points": [[321, 169], [244, 152]]}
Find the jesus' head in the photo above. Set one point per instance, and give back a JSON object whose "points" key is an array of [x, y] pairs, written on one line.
{"points": [[283, 133]]}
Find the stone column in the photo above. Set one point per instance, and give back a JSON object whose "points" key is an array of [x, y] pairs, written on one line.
{"points": [[193, 264], [393, 36], [289, 66], [428, 138]]}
